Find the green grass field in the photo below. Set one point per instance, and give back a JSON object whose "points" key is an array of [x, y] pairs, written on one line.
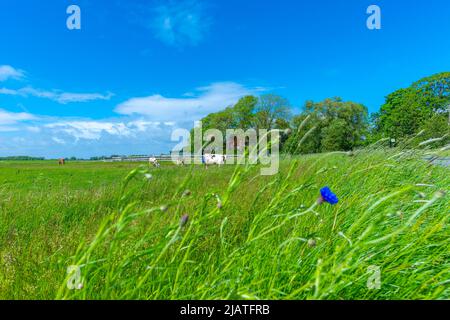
{"points": [[247, 236]]}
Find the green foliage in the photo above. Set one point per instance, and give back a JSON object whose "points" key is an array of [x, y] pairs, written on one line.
{"points": [[332, 124], [434, 91], [271, 110], [266, 112], [408, 111], [221, 120], [243, 112], [402, 114], [21, 158], [436, 126]]}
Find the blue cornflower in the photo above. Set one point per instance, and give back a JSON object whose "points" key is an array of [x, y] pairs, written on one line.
{"points": [[326, 195]]}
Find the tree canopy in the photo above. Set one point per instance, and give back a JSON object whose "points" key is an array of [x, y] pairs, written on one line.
{"points": [[334, 124], [329, 125], [409, 110], [266, 112]]}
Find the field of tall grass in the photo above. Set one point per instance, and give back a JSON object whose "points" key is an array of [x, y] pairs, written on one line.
{"points": [[135, 232]]}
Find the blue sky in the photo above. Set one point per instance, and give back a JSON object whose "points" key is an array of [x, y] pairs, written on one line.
{"points": [[139, 69]]}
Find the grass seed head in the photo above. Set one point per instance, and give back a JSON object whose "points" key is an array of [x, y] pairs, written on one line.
{"points": [[422, 195], [184, 219], [187, 193], [312, 243], [440, 194]]}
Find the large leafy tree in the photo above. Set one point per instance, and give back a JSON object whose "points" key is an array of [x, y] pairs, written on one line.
{"points": [[437, 127], [243, 112], [305, 136], [407, 111], [330, 125], [221, 120], [271, 111], [265, 112], [434, 91]]}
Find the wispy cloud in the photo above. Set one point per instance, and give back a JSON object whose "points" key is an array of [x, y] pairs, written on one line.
{"points": [[60, 97], [8, 72], [190, 107], [96, 130], [181, 23], [58, 140], [10, 118], [11, 121], [90, 130]]}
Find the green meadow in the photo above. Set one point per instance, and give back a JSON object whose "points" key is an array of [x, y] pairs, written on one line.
{"points": [[227, 233]]}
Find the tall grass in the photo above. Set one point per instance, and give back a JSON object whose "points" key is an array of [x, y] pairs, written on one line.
{"points": [[246, 237]]}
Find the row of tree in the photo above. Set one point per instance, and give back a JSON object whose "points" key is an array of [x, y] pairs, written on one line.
{"points": [[21, 158], [424, 106], [334, 124]]}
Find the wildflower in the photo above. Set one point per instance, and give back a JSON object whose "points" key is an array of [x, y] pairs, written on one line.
{"points": [[326, 195], [184, 220], [163, 208]]}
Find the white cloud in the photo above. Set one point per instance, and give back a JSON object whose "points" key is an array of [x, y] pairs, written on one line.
{"points": [[90, 130], [60, 97], [10, 121], [10, 118], [33, 129], [180, 23], [8, 72], [82, 97], [8, 128], [58, 140], [209, 99], [143, 125], [10, 92], [96, 130]]}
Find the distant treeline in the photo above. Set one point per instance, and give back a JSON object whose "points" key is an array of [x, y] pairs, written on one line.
{"points": [[100, 158], [21, 158]]}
